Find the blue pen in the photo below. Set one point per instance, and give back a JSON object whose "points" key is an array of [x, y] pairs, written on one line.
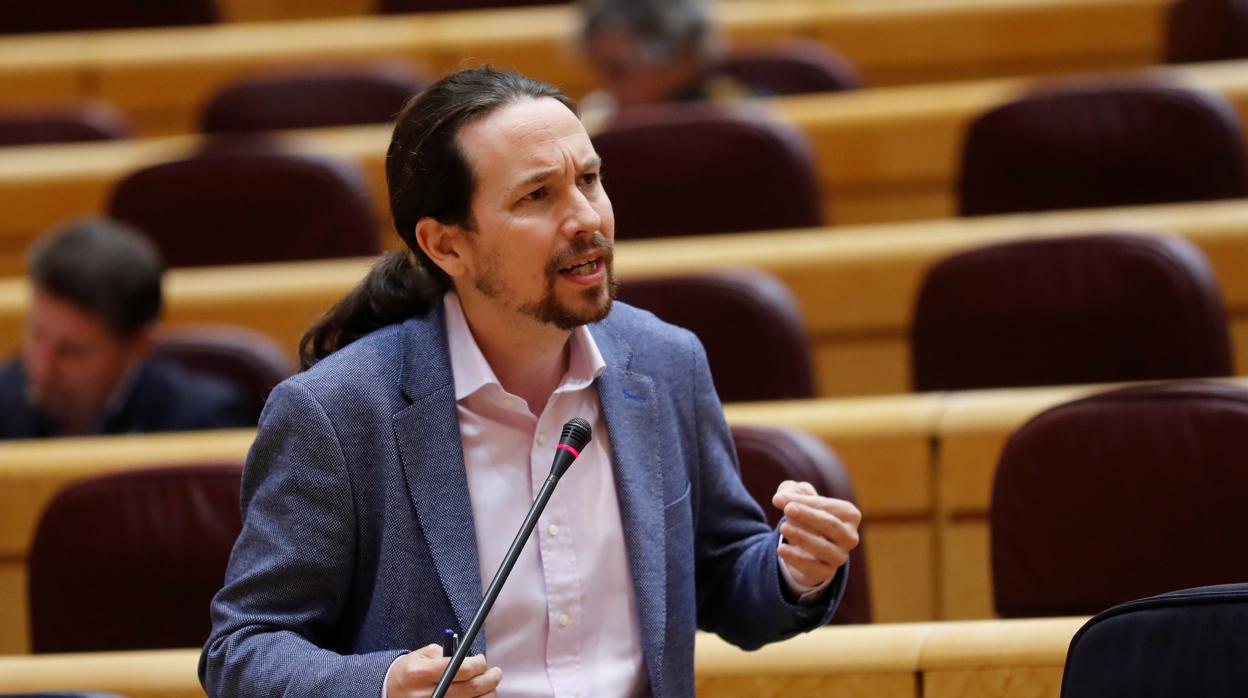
{"points": [[450, 642]]}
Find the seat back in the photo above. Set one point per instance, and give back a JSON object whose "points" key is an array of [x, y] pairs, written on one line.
{"points": [[71, 123], [248, 359], [695, 169], [1206, 30], [791, 67], [313, 98], [404, 6], [1183, 643], [76, 15], [1082, 309], [1121, 495], [131, 560], [240, 205], [1111, 145], [771, 455], [749, 323]]}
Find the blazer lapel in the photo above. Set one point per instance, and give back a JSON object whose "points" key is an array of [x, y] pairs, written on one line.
{"points": [[433, 464], [630, 410]]}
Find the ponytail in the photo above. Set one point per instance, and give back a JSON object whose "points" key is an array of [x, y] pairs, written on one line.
{"points": [[392, 291]]}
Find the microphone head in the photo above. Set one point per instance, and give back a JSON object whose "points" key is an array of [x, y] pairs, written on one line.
{"points": [[576, 433]]}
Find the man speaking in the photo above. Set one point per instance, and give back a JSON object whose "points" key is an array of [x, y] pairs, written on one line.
{"points": [[387, 481]]}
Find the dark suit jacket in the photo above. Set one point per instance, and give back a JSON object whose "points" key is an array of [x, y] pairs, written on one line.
{"points": [[163, 397], [358, 540]]}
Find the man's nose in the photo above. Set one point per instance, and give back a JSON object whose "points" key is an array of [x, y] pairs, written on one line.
{"points": [[582, 218]]}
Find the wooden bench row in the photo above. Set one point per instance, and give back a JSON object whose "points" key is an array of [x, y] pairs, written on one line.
{"points": [[993, 659], [856, 285], [922, 467], [884, 154], [161, 77]]}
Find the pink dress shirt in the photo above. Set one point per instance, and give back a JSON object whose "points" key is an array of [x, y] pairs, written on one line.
{"points": [[565, 624]]}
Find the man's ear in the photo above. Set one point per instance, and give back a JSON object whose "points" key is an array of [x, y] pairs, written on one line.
{"points": [[444, 244], [141, 343]]}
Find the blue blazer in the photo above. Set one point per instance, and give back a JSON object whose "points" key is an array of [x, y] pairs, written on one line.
{"points": [[358, 541]]}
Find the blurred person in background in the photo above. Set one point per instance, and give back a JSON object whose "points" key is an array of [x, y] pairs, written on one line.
{"points": [[85, 365], [652, 51]]}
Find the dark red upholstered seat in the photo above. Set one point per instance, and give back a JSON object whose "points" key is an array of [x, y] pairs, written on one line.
{"points": [[313, 98], [695, 169], [790, 67], [402, 6], [130, 560], [67, 123], [246, 358], [771, 455], [748, 321], [19, 16], [1207, 30], [238, 205], [1119, 496], [1081, 309], [1107, 145]]}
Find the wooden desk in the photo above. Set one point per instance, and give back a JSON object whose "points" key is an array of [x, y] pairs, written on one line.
{"points": [[161, 77], [885, 154], [855, 285], [991, 659]]}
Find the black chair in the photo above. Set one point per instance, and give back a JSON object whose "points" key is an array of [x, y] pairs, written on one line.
{"points": [[251, 361], [1207, 30], [1184, 643]]}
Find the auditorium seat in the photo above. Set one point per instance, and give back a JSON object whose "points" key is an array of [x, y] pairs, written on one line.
{"points": [[1188, 642], [770, 455], [748, 321], [63, 123], [236, 205], [252, 361], [131, 560], [791, 67], [699, 169], [1121, 495], [1064, 310], [313, 98], [19, 16], [403, 6], [1206, 30], [1102, 145]]}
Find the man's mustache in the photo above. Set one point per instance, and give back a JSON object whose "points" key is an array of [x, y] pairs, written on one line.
{"points": [[581, 247]]}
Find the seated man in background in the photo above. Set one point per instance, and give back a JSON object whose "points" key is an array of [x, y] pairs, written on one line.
{"points": [[652, 51], [85, 366]]}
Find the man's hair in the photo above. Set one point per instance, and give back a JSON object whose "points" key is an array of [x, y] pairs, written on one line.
{"points": [[428, 177], [664, 29], [103, 267]]}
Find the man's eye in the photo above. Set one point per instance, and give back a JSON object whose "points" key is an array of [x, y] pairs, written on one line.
{"points": [[535, 195], [589, 178]]}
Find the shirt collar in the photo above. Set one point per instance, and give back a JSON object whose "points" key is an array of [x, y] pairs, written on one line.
{"points": [[472, 372]]}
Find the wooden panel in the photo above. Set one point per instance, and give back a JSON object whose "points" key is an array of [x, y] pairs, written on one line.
{"points": [[965, 571], [148, 674], [14, 623], [849, 365], [901, 564], [997, 659], [1025, 682]]}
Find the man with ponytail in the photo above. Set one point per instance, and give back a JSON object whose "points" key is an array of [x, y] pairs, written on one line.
{"points": [[387, 480]]}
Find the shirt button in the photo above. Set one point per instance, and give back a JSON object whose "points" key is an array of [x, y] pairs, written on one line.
{"points": [[552, 530], [541, 439], [564, 620]]}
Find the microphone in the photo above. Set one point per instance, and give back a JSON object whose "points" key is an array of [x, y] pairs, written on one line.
{"points": [[576, 434]]}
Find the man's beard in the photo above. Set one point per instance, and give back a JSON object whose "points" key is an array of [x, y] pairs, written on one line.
{"points": [[548, 309]]}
